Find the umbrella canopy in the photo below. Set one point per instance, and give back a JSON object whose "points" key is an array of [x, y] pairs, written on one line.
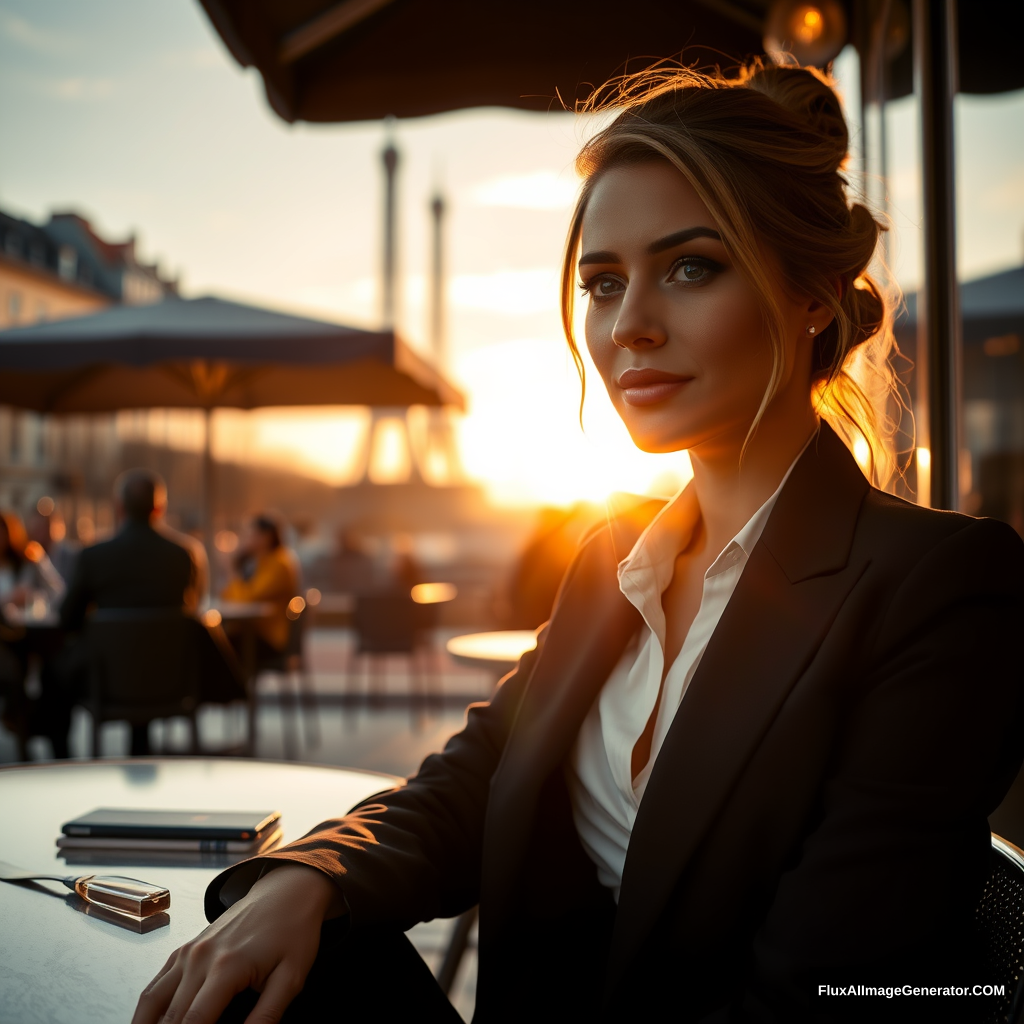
{"points": [[324, 60], [351, 60], [205, 353]]}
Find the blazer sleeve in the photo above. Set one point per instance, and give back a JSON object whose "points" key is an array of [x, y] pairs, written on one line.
{"points": [[412, 853], [897, 861]]}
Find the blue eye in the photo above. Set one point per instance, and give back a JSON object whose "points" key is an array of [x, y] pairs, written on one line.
{"points": [[691, 270]]}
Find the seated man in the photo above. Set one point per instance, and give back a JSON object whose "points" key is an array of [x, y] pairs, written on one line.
{"points": [[265, 572], [139, 567]]}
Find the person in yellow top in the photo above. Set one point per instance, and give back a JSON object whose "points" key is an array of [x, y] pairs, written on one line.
{"points": [[265, 571]]}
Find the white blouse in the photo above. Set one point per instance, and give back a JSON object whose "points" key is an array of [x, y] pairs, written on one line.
{"points": [[604, 797]]}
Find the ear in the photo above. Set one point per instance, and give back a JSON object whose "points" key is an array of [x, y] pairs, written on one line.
{"points": [[817, 314]]}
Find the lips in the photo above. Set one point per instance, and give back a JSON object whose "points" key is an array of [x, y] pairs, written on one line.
{"points": [[646, 386]]}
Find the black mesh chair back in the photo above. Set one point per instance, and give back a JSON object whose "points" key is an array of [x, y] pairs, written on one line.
{"points": [[1000, 921], [144, 664], [385, 623]]}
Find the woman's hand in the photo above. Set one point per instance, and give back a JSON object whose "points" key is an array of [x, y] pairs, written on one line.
{"points": [[266, 941]]}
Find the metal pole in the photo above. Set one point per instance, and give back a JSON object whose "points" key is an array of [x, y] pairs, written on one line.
{"points": [[437, 325], [208, 503], [938, 308], [390, 157]]}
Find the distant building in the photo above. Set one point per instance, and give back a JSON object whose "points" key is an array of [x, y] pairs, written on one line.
{"points": [[50, 272], [63, 268]]}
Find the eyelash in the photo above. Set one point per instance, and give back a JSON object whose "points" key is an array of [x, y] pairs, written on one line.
{"points": [[713, 266]]}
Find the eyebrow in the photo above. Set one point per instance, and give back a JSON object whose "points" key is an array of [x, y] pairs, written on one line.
{"points": [[668, 242]]}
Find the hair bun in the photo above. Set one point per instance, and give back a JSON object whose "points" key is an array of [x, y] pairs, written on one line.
{"points": [[807, 94]]}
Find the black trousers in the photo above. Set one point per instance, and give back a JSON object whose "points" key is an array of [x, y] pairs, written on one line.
{"points": [[373, 976]]}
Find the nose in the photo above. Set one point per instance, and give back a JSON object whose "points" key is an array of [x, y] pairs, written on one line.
{"points": [[638, 325]]}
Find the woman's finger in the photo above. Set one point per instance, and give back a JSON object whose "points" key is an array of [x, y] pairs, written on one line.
{"points": [[219, 988], [279, 990], [157, 994], [201, 971]]}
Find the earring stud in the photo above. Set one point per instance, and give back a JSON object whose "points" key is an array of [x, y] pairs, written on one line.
{"points": [[811, 330]]}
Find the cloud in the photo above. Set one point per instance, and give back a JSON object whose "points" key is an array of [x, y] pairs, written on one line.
{"points": [[195, 57], [22, 31], [79, 89], [541, 190]]}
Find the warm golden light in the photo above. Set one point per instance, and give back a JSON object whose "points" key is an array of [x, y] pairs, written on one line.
{"points": [[212, 618], [434, 593], [226, 541], [296, 606], [313, 597], [45, 506], [924, 477], [390, 461], [86, 529], [505, 646], [862, 452], [34, 551], [808, 24]]}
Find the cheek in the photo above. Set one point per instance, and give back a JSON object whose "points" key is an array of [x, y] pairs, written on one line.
{"points": [[597, 329], [729, 340]]}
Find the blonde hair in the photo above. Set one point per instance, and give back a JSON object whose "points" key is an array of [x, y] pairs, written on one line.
{"points": [[764, 151]]}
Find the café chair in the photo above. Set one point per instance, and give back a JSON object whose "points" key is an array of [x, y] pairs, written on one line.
{"points": [[387, 624], [291, 664], [1000, 921], [143, 665]]}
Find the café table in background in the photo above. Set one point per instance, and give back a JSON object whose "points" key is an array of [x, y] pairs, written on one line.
{"points": [[497, 651], [59, 964]]}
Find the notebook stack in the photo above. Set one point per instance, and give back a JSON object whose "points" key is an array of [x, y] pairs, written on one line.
{"points": [[116, 835]]}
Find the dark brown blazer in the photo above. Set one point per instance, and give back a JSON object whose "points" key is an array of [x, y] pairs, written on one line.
{"points": [[817, 813]]}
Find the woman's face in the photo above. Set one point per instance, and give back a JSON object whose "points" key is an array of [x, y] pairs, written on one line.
{"points": [[675, 331]]}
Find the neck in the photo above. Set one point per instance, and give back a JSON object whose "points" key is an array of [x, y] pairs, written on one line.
{"points": [[729, 489]]}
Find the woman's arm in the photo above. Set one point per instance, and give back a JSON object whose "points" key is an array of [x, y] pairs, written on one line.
{"points": [[404, 856]]}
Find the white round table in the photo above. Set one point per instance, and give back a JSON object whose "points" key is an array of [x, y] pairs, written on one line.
{"points": [[498, 651], [60, 966]]}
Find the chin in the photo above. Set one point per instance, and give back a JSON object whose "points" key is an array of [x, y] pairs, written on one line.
{"points": [[656, 445]]}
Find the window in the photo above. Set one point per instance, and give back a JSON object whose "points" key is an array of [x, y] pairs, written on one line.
{"points": [[67, 262]]}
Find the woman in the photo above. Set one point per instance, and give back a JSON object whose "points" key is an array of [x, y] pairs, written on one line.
{"points": [[265, 572], [754, 752], [25, 569]]}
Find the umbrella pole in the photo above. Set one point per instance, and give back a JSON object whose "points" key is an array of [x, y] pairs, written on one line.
{"points": [[938, 312], [207, 498]]}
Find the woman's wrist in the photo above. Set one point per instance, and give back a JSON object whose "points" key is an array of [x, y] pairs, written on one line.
{"points": [[301, 881]]}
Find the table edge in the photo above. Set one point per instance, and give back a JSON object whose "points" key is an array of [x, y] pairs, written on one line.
{"points": [[182, 758]]}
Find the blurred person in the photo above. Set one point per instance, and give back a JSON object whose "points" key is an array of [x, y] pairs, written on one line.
{"points": [[139, 567], [754, 752], [26, 571], [49, 532], [265, 572]]}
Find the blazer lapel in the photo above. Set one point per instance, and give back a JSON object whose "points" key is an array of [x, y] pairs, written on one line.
{"points": [[589, 629], [796, 580]]}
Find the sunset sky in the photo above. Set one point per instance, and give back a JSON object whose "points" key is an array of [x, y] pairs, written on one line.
{"points": [[133, 113]]}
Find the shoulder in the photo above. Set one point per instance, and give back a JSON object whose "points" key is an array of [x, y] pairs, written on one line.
{"points": [[621, 528], [900, 526]]}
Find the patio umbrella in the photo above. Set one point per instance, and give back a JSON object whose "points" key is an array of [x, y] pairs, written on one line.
{"points": [[204, 353], [351, 60]]}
